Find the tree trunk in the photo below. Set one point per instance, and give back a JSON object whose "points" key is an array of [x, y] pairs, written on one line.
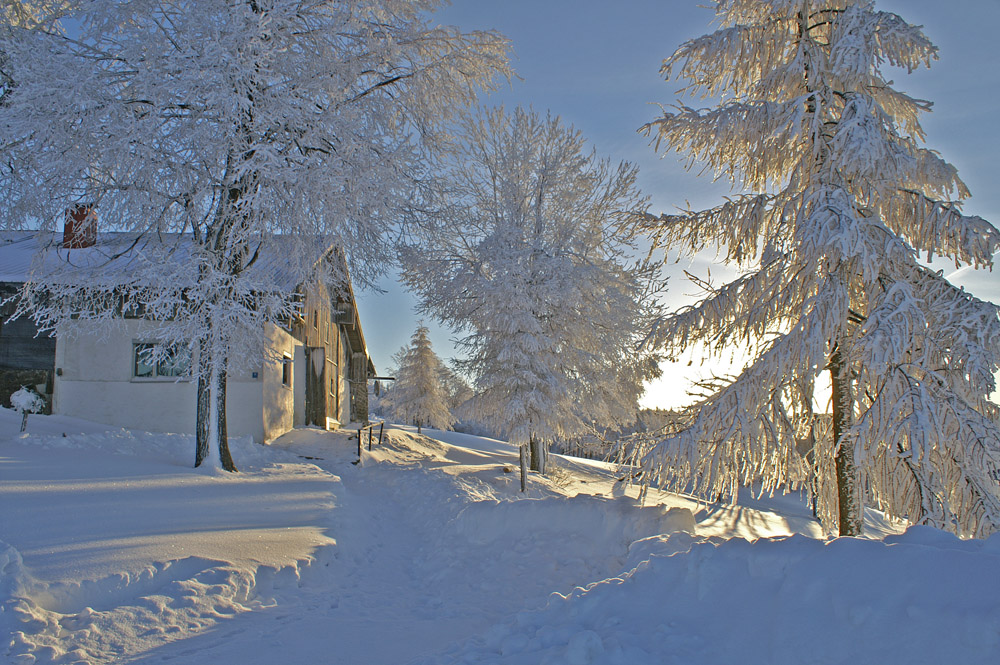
{"points": [[210, 430], [202, 431], [24, 420], [539, 455], [224, 455], [202, 428], [848, 495], [523, 450]]}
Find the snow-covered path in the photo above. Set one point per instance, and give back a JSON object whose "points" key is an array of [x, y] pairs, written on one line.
{"points": [[116, 551], [416, 565]]}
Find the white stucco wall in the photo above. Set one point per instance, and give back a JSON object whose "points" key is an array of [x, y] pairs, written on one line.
{"points": [[94, 381], [277, 399]]}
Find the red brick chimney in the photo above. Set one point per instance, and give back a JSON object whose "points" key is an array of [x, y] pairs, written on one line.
{"points": [[80, 229]]}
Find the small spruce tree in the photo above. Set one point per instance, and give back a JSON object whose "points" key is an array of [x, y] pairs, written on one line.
{"points": [[419, 395]]}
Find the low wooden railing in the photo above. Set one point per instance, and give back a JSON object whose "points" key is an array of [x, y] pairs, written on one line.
{"points": [[371, 436]]}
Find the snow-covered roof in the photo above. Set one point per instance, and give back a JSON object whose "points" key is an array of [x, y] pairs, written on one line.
{"points": [[18, 250], [24, 255]]}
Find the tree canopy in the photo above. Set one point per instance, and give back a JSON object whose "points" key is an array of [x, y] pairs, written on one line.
{"points": [[525, 259]]}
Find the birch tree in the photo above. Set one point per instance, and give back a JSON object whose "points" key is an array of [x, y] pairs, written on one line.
{"points": [[419, 394], [524, 260], [239, 143], [838, 202]]}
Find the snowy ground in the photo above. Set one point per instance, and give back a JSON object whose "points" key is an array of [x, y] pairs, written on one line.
{"points": [[112, 550]]}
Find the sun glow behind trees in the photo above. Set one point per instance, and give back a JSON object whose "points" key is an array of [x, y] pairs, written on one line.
{"points": [[678, 385]]}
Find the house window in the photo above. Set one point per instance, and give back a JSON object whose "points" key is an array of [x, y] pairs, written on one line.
{"points": [[152, 361], [286, 371]]}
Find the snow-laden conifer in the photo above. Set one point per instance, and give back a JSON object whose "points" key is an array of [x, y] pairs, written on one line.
{"points": [[419, 395], [839, 201], [245, 147], [525, 261]]}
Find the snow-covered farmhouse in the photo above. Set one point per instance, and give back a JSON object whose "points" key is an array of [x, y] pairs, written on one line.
{"points": [[314, 373]]}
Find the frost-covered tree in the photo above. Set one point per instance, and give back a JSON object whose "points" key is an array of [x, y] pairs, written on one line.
{"points": [[839, 201], [525, 261], [419, 394], [240, 143], [22, 15]]}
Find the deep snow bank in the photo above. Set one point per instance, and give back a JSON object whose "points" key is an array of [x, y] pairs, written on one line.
{"points": [[111, 544], [923, 597]]}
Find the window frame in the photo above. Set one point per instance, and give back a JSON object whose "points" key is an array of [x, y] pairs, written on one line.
{"points": [[287, 376]]}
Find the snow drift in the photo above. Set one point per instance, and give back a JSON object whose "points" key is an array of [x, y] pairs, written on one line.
{"points": [[923, 597]]}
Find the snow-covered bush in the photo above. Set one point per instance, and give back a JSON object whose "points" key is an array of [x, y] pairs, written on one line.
{"points": [[26, 401]]}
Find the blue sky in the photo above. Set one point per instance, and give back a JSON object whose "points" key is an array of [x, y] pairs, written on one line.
{"points": [[596, 64]]}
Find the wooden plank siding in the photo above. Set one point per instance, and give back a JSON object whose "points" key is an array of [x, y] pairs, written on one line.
{"points": [[337, 370]]}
